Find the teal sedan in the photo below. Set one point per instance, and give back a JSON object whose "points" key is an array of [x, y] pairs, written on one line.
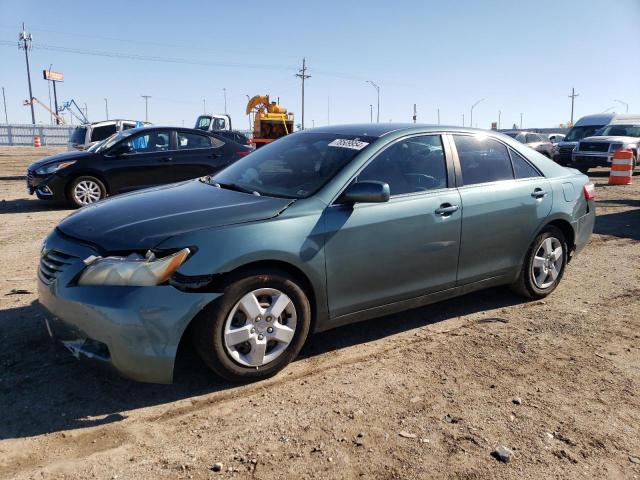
{"points": [[322, 228]]}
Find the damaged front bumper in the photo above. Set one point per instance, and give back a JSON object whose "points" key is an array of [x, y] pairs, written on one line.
{"points": [[135, 330]]}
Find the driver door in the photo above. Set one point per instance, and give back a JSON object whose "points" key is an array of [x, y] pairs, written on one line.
{"points": [[380, 253]]}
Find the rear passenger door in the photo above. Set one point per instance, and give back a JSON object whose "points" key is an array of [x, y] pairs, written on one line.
{"points": [[196, 155], [504, 199]]}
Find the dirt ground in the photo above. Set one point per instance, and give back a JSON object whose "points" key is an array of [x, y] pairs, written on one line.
{"points": [[429, 393]]}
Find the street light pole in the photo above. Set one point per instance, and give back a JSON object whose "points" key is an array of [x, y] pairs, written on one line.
{"points": [[106, 108], [472, 107], [26, 40], [378, 92], [499, 115], [146, 107], [371, 112], [438, 116], [4, 100], [224, 91], [521, 120], [204, 106], [626, 105]]}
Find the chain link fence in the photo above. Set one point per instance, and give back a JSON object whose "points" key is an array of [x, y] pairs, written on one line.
{"points": [[22, 135]]}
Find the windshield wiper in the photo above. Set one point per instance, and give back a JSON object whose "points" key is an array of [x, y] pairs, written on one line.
{"points": [[232, 186]]}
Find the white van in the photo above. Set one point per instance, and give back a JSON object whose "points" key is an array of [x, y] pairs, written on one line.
{"points": [[86, 135], [585, 127]]}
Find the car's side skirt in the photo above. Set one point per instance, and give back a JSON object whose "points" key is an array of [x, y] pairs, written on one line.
{"points": [[416, 302]]}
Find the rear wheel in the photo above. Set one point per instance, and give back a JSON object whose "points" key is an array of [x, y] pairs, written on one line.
{"points": [[86, 190], [256, 328], [543, 266]]}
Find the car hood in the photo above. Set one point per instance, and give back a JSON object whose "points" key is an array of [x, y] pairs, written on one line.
{"points": [[143, 219], [60, 157], [611, 138]]}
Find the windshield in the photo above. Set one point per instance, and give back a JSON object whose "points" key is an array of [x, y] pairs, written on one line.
{"points": [[621, 131], [295, 166], [112, 140], [578, 133], [203, 123], [78, 135]]}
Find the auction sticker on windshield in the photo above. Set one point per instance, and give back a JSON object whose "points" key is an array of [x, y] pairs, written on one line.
{"points": [[354, 144]]}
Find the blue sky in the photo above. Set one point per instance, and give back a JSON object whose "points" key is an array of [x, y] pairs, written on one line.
{"points": [[518, 56]]}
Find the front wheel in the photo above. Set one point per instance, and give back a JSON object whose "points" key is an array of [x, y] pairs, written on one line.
{"points": [[86, 190], [543, 266], [256, 328]]}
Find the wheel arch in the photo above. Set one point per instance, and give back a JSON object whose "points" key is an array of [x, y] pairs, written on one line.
{"points": [[567, 230]]}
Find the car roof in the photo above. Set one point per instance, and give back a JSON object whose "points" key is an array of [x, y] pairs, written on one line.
{"points": [[597, 119], [160, 127], [381, 129], [625, 119]]}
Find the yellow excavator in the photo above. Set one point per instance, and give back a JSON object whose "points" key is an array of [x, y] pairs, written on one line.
{"points": [[271, 121]]}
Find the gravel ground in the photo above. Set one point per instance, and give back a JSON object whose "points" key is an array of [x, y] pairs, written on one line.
{"points": [[430, 393]]}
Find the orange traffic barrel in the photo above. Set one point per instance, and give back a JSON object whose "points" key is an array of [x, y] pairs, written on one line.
{"points": [[621, 168], [36, 141]]}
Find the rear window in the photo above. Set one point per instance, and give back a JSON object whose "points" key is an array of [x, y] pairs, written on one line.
{"points": [[78, 135], [100, 133], [189, 141]]}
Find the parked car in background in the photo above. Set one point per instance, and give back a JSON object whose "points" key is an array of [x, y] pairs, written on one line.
{"points": [[213, 122], [88, 134], [318, 229], [597, 151], [131, 159], [556, 137], [538, 141], [585, 127], [236, 136]]}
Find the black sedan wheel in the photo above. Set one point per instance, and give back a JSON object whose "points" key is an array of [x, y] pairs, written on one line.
{"points": [[544, 265], [256, 328], [86, 190]]}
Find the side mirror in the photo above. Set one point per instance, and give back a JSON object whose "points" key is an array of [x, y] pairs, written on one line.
{"points": [[122, 150], [366, 192]]}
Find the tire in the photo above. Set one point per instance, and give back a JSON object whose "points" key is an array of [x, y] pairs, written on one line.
{"points": [[529, 282], [230, 340], [86, 190]]}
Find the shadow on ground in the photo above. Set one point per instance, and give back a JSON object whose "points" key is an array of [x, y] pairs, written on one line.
{"points": [[26, 205], [44, 389]]}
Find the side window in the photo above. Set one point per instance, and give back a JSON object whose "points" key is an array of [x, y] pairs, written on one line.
{"points": [[100, 133], [127, 125], [219, 124], [482, 159], [522, 167], [414, 164], [150, 142], [533, 138], [189, 141]]}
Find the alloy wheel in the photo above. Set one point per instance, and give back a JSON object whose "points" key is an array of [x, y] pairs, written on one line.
{"points": [[86, 192], [260, 327], [547, 262]]}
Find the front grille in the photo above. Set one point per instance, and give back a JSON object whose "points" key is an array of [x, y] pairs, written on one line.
{"points": [[594, 147], [52, 264], [590, 159], [566, 150]]}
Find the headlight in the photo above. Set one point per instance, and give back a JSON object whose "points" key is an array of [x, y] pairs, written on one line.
{"points": [[615, 146], [54, 167], [134, 270]]}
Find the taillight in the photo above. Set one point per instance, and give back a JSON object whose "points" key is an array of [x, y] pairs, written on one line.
{"points": [[243, 153], [589, 191]]}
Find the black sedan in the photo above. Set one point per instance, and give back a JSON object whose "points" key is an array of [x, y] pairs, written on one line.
{"points": [[130, 160]]}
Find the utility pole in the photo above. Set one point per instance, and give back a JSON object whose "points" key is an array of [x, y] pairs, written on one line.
{"points": [[472, 107], [463, 119], [438, 116], [521, 119], [313, 124], [4, 100], [499, 115], [572, 97], [626, 105], [86, 111], [106, 108], [26, 39], [415, 113], [378, 91], [250, 124], [371, 112], [146, 107], [303, 76], [204, 106], [224, 91]]}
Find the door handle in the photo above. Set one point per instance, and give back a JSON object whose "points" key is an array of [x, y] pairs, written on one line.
{"points": [[538, 193], [166, 159], [447, 209]]}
